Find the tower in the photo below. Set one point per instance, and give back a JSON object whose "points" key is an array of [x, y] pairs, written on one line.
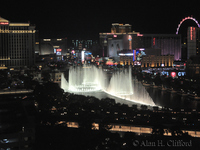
{"points": [[191, 42]]}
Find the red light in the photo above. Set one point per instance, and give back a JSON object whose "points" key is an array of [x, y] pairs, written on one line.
{"points": [[139, 34], [154, 41], [173, 74], [4, 23], [58, 50]]}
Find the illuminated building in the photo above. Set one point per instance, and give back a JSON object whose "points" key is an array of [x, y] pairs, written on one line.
{"points": [[17, 44], [157, 61], [126, 57], [118, 39], [193, 42], [82, 44], [169, 44], [53, 46], [120, 28]]}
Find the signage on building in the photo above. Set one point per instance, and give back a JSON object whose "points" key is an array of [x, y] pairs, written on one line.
{"points": [[4, 23], [58, 50]]}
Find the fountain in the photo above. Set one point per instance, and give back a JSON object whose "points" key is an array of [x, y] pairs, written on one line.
{"points": [[84, 79], [121, 84]]}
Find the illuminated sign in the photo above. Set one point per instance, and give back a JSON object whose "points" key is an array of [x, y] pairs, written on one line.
{"points": [[140, 49], [114, 35], [54, 50], [129, 38], [139, 34], [82, 55], [58, 53], [192, 32], [173, 74], [137, 63], [127, 54], [154, 41], [59, 50], [4, 23], [165, 73], [181, 73]]}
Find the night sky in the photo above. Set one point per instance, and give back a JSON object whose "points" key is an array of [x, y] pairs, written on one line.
{"points": [[87, 18]]}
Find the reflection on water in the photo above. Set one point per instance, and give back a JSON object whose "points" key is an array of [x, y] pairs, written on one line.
{"points": [[172, 100]]}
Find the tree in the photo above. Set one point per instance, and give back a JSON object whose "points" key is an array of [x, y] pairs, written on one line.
{"points": [[46, 76]]}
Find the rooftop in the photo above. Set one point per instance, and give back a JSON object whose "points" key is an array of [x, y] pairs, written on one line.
{"points": [[3, 20]]}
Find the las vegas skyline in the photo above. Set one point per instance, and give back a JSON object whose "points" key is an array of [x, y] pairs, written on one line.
{"points": [[86, 19]]}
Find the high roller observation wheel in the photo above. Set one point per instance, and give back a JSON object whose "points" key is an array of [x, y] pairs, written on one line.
{"points": [[187, 18]]}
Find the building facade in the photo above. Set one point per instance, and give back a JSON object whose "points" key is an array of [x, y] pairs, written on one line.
{"points": [[157, 61], [53, 46], [17, 44], [193, 67], [118, 39], [193, 42]]}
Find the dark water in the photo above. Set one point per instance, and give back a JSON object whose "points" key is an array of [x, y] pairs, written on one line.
{"points": [[160, 98], [172, 100]]}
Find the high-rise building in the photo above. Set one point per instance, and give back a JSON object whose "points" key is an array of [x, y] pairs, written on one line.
{"points": [[17, 44], [193, 42], [82, 44]]}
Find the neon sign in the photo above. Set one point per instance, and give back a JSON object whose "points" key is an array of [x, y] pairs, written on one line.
{"points": [[139, 34], [154, 41], [59, 50], [173, 74], [4, 23], [129, 38], [192, 32], [181, 73]]}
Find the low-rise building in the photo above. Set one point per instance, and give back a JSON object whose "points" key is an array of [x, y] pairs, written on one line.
{"points": [[157, 61]]}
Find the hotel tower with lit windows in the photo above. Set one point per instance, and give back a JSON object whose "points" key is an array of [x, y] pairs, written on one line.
{"points": [[17, 44]]}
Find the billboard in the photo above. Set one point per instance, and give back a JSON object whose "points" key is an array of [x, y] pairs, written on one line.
{"points": [[58, 51]]}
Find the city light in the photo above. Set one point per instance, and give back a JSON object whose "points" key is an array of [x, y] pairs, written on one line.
{"points": [[173, 74], [186, 18], [82, 56], [4, 23], [127, 54]]}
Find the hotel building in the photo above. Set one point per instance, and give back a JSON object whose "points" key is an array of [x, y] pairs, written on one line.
{"points": [[17, 44], [193, 42], [122, 38]]}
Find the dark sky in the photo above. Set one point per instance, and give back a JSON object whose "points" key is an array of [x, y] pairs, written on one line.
{"points": [[87, 18]]}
